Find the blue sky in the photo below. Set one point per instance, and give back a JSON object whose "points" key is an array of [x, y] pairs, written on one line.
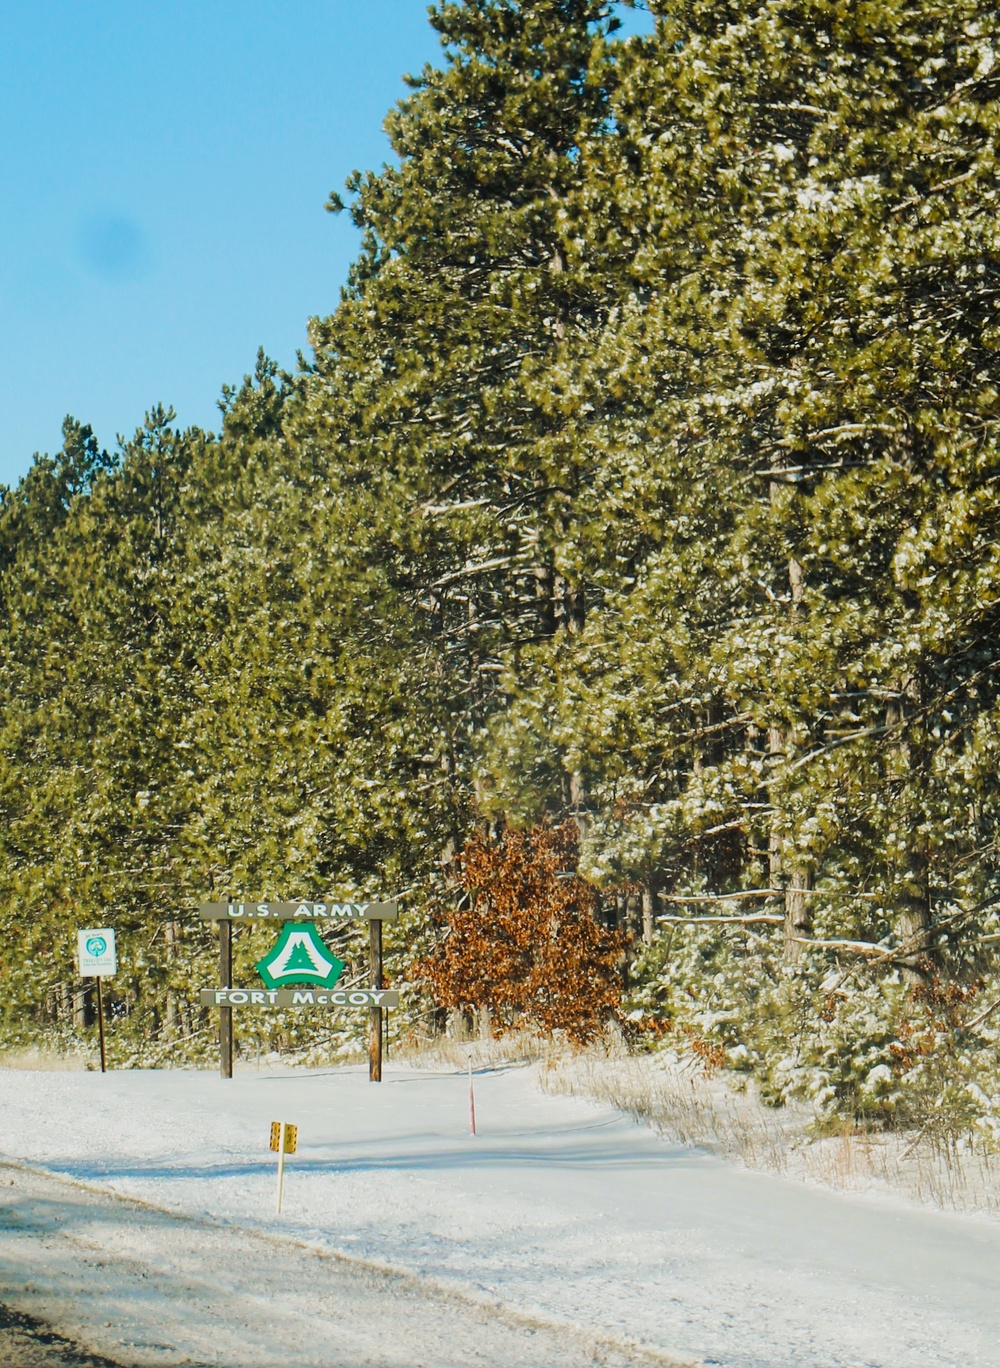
{"points": [[163, 169]]}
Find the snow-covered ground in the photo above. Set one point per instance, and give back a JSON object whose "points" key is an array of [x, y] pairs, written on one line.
{"points": [[559, 1209], [143, 1289]]}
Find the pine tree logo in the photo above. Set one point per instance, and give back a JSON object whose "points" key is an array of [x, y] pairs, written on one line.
{"points": [[299, 956]]}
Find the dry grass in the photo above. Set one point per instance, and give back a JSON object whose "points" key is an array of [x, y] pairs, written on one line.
{"points": [[719, 1112], [31, 1057], [444, 1052], [681, 1101]]}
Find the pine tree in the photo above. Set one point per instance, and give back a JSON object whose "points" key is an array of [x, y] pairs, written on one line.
{"points": [[431, 379]]}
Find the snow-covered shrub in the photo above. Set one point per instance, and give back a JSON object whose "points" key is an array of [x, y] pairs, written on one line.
{"points": [[856, 1044]]}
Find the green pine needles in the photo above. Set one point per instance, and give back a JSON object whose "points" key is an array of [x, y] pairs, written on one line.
{"points": [[648, 475]]}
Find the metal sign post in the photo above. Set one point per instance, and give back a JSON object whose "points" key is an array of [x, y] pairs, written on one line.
{"points": [[98, 959], [100, 1027]]}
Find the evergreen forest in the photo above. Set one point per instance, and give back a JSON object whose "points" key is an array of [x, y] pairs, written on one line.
{"points": [[616, 583]]}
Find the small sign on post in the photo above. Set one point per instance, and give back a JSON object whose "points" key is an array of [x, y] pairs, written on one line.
{"points": [[284, 1139], [96, 951], [98, 959]]}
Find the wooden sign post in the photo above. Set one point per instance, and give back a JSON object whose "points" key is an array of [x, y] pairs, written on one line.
{"points": [[226, 1013], [375, 1029]]}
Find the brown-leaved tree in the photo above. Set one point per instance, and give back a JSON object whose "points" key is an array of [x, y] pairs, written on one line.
{"points": [[526, 943]]}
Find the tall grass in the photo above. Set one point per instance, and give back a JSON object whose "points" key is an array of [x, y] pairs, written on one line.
{"points": [[48, 1060], [681, 1101]]}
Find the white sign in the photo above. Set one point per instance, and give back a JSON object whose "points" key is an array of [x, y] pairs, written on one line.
{"points": [[300, 911], [96, 951], [299, 997]]}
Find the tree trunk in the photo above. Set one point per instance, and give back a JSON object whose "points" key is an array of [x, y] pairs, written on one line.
{"points": [[577, 799], [788, 870], [171, 1021], [793, 875], [544, 598], [83, 1014], [647, 914], [775, 864], [913, 902], [798, 913], [633, 916]]}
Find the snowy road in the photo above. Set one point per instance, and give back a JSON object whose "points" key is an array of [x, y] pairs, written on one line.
{"points": [[28, 1343], [146, 1288], [559, 1210]]}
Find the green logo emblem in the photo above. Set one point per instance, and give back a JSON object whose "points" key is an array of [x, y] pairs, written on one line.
{"points": [[299, 956]]}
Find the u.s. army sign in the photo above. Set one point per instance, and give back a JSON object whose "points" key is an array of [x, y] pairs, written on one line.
{"points": [[299, 997], [299, 956], [298, 911]]}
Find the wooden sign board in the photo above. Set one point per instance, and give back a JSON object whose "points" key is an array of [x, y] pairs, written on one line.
{"points": [[299, 997], [298, 911]]}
